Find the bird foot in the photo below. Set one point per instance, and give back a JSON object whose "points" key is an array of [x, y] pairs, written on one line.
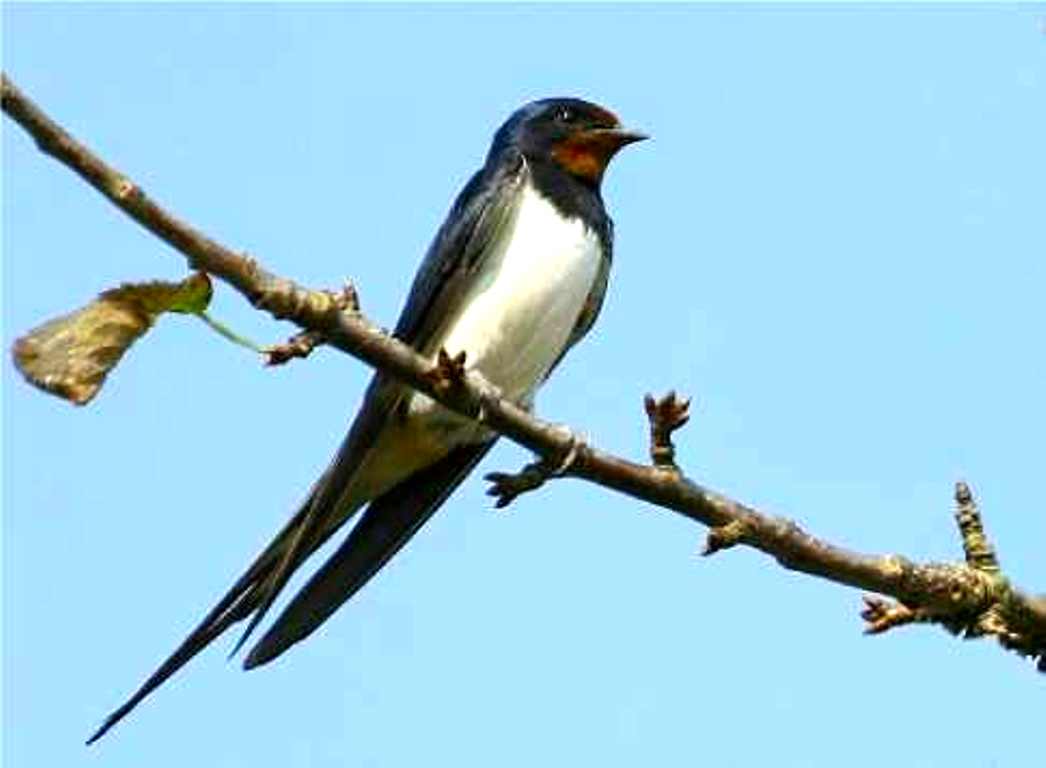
{"points": [[506, 486]]}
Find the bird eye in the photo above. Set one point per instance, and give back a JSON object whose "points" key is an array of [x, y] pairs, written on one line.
{"points": [[565, 115]]}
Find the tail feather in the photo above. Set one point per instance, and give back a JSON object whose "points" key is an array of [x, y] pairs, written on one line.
{"points": [[236, 605], [270, 586], [389, 522], [327, 508]]}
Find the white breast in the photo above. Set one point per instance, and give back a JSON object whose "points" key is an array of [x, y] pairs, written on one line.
{"points": [[519, 315]]}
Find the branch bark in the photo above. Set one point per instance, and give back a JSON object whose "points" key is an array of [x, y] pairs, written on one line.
{"points": [[971, 598]]}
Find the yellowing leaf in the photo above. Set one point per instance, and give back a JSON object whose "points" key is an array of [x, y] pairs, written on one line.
{"points": [[71, 355]]}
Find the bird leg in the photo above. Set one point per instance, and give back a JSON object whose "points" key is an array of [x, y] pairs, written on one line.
{"points": [[506, 486]]}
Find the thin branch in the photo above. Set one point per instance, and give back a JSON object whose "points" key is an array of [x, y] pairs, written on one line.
{"points": [[301, 344], [970, 598]]}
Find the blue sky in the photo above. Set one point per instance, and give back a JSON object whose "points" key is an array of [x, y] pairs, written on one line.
{"points": [[834, 243]]}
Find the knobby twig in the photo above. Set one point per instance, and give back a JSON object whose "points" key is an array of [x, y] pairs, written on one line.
{"points": [[972, 598], [665, 416], [301, 344]]}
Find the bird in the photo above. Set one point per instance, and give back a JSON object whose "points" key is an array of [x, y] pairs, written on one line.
{"points": [[515, 276]]}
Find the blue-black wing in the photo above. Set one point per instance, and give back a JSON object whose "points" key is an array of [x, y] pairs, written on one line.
{"points": [[482, 209]]}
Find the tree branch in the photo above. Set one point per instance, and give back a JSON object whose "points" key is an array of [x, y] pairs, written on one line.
{"points": [[971, 598]]}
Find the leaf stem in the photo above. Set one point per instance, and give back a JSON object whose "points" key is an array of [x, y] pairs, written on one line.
{"points": [[224, 330]]}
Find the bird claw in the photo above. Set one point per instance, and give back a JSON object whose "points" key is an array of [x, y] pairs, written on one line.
{"points": [[506, 486]]}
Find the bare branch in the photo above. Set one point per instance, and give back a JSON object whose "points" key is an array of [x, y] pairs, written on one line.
{"points": [[970, 598], [301, 344]]}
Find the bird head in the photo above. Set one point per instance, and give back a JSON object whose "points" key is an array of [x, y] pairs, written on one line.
{"points": [[577, 136]]}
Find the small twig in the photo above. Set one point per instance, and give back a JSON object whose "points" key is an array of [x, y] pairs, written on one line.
{"points": [[979, 552], [882, 615], [665, 415], [448, 372], [971, 599], [722, 537], [298, 346], [301, 344]]}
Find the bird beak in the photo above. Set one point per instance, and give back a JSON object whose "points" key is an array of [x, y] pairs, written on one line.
{"points": [[617, 137], [626, 136]]}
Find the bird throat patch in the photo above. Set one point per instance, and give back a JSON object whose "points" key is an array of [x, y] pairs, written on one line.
{"points": [[585, 155]]}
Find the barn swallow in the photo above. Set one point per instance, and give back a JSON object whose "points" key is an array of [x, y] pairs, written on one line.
{"points": [[514, 278]]}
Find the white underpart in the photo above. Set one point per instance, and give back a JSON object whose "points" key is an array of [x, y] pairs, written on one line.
{"points": [[520, 313]]}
